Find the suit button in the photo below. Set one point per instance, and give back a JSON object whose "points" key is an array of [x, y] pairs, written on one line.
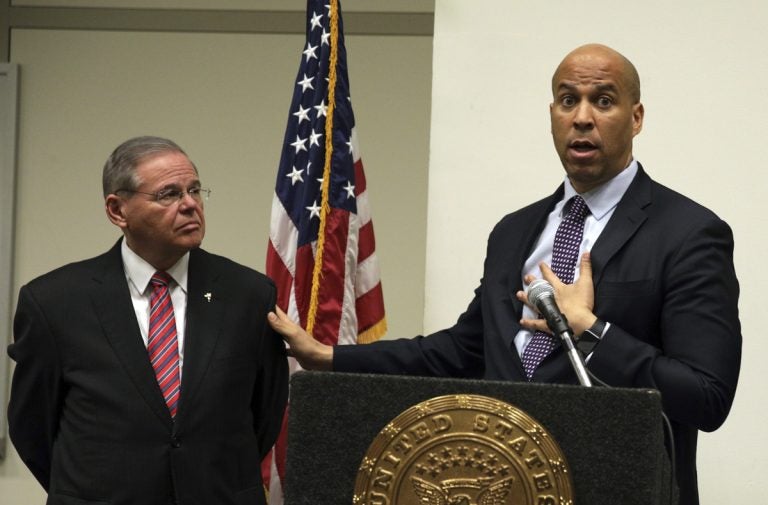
{"points": [[175, 442]]}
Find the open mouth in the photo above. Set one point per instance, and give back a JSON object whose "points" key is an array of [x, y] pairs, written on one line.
{"points": [[582, 146]]}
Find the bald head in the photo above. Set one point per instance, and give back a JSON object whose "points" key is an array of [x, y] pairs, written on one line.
{"points": [[627, 70], [595, 114]]}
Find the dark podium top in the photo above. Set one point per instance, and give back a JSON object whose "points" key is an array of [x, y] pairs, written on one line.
{"points": [[612, 439]]}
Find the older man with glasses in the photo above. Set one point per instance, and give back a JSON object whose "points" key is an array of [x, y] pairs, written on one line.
{"points": [[148, 374]]}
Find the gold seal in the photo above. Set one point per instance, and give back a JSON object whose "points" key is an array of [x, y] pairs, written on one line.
{"points": [[463, 450]]}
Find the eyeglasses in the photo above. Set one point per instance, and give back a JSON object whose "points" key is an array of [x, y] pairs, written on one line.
{"points": [[168, 197]]}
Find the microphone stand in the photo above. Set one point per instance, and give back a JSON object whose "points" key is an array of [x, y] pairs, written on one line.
{"points": [[541, 295], [576, 360]]}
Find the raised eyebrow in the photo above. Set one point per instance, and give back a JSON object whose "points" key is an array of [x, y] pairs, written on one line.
{"points": [[606, 88], [564, 87], [599, 88]]}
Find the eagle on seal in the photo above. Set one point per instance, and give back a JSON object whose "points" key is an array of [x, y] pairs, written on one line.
{"points": [[489, 494]]}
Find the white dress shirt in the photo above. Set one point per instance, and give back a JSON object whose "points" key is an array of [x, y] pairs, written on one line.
{"points": [[138, 273]]}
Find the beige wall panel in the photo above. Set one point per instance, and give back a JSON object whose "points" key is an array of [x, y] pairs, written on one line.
{"points": [[273, 5], [225, 99]]}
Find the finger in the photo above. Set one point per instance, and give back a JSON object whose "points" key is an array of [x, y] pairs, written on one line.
{"points": [[535, 325], [280, 322], [523, 297], [585, 270], [548, 274], [282, 314]]}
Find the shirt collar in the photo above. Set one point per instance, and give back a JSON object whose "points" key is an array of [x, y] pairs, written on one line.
{"points": [[604, 198], [139, 272]]}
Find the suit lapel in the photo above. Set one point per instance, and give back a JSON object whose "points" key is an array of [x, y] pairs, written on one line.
{"points": [[114, 307], [205, 303], [627, 218], [521, 245]]}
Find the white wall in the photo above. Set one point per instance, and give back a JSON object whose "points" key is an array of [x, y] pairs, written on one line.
{"points": [[703, 70]]}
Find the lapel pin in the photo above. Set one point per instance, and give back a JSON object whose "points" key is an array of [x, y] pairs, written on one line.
{"points": [[208, 297]]}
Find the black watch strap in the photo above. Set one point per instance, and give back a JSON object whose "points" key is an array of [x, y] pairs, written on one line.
{"points": [[589, 339]]}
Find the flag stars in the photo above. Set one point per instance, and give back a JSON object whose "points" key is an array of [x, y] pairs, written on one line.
{"points": [[299, 144], [314, 138], [302, 114], [350, 189], [314, 210], [322, 109], [295, 175], [315, 21], [320, 183], [306, 83], [309, 52]]}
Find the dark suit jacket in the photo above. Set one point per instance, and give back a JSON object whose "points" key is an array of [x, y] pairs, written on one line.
{"points": [[664, 279], [87, 416]]}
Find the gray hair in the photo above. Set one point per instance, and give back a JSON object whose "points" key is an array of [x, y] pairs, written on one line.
{"points": [[120, 168]]}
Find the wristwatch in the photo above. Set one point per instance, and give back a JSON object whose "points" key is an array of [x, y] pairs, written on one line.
{"points": [[591, 336]]}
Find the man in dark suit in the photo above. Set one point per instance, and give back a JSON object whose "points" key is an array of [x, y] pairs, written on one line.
{"points": [[148, 375], [654, 303]]}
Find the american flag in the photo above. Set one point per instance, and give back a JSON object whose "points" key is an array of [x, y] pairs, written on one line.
{"points": [[322, 252]]}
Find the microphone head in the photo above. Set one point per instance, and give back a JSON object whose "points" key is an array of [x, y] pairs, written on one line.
{"points": [[538, 290]]}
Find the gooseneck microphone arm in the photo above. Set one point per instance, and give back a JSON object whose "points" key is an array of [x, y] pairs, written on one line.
{"points": [[542, 296]]}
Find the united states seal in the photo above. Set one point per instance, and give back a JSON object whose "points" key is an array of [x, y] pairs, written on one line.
{"points": [[463, 450]]}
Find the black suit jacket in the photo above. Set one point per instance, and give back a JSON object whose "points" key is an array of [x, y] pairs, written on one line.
{"points": [[664, 279], [87, 416]]}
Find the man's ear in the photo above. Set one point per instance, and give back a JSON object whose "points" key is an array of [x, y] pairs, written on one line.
{"points": [[115, 208], [638, 113], [551, 108]]}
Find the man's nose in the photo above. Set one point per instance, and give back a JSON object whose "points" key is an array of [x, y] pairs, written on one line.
{"points": [[583, 116], [188, 202]]}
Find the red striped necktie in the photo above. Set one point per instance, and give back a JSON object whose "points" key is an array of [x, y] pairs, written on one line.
{"points": [[162, 346]]}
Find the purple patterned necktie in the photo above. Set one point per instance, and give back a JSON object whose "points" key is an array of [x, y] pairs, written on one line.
{"points": [[162, 345], [565, 253]]}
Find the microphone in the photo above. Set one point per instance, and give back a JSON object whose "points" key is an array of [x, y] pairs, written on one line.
{"points": [[541, 295]]}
